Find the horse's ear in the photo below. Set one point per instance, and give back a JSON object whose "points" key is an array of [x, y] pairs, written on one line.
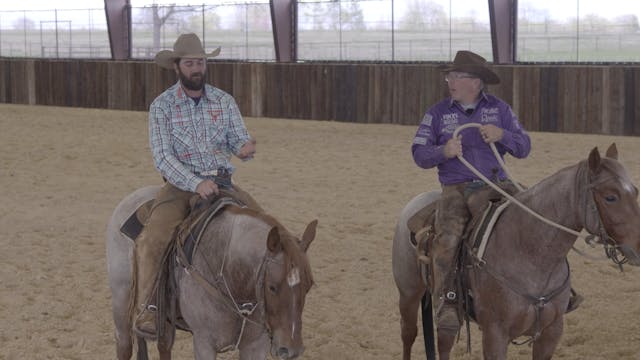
{"points": [[308, 235], [612, 151], [273, 240], [594, 160]]}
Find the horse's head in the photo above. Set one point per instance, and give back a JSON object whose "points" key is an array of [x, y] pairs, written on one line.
{"points": [[286, 283], [616, 201]]}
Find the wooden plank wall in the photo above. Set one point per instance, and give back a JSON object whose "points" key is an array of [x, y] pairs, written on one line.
{"points": [[553, 98]]}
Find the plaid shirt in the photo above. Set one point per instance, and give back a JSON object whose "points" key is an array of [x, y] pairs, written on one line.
{"points": [[188, 139]]}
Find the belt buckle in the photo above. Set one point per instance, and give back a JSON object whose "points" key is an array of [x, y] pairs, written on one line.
{"points": [[209, 173], [223, 172]]}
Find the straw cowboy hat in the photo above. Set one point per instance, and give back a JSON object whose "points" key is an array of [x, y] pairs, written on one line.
{"points": [[187, 46], [466, 61]]}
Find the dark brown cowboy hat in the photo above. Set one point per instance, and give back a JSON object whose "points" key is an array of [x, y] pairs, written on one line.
{"points": [[187, 46], [472, 63]]}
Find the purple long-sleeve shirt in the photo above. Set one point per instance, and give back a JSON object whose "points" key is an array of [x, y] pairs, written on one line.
{"points": [[443, 118]]}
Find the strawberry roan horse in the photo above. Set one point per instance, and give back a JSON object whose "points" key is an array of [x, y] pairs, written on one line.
{"points": [[245, 288], [523, 288]]}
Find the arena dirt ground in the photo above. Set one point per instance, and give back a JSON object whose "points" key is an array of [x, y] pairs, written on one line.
{"points": [[63, 170]]}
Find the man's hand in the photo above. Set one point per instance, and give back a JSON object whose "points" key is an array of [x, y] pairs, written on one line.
{"points": [[491, 133], [207, 188], [453, 148], [248, 149]]}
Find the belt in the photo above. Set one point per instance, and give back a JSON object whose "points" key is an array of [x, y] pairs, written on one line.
{"points": [[221, 176], [220, 172]]}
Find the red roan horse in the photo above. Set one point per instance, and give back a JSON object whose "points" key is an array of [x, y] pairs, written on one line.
{"points": [[245, 288], [523, 287]]}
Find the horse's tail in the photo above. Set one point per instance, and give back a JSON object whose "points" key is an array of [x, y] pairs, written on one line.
{"points": [[427, 326]]}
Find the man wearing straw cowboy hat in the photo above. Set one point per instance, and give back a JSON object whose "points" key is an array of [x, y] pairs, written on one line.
{"points": [[434, 146], [194, 129]]}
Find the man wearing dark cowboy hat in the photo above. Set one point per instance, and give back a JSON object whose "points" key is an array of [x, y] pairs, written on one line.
{"points": [[194, 129], [434, 146]]}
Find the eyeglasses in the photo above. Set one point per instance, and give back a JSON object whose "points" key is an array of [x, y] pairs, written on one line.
{"points": [[456, 76]]}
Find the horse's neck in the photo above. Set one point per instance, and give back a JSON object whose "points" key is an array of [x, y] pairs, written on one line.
{"points": [[234, 246], [555, 198]]}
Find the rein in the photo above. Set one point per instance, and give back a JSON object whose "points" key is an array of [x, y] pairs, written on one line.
{"points": [[610, 246]]}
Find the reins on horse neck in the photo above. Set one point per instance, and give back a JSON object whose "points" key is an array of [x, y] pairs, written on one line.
{"points": [[610, 246], [611, 249], [504, 193]]}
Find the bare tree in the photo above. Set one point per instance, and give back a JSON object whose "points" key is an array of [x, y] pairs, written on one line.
{"points": [[24, 23], [423, 15], [162, 15]]}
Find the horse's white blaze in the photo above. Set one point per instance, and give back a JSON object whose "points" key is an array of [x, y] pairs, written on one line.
{"points": [[293, 329], [627, 186], [293, 278]]}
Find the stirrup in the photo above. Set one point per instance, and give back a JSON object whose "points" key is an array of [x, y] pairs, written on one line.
{"points": [[146, 317]]}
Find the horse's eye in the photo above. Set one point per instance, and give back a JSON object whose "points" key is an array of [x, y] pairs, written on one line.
{"points": [[273, 288], [611, 198]]}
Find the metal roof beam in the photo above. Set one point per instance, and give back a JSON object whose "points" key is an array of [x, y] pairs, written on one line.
{"points": [[503, 16], [118, 13], [284, 24]]}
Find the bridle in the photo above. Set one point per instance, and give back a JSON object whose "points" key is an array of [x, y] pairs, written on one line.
{"points": [[600, 235]]}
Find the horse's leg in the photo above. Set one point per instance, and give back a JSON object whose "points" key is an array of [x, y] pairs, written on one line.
{"points": [[165, 343], [494, 343], [203, 346], [445, 344], [142, 354], [123, 333], [255, 350], [546, 344], [124, 344], [408, 321]]}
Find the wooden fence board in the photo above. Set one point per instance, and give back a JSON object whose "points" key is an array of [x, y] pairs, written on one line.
{"points": [[560, 98], [630, 115], [616, 101]]}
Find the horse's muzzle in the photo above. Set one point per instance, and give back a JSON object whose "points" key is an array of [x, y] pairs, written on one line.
{"points": [[284, 353], [631, 255]]}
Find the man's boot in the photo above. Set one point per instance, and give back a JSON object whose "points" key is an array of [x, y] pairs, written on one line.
{"points": [[447, 319], [451, 218], [147, 268]]}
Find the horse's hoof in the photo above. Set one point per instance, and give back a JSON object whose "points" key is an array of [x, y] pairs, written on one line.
{"points": [[574, 301]]}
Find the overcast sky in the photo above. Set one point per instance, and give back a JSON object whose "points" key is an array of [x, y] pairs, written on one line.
{"points": [[557, 9]]}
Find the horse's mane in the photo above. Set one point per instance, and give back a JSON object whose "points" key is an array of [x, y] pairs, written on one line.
{"points": [[294, 255]]}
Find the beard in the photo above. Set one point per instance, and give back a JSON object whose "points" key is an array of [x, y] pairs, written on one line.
{"points": [[194, 82]]}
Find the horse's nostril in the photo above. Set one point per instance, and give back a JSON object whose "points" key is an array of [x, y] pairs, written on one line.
{"points": [[283, 353]]}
